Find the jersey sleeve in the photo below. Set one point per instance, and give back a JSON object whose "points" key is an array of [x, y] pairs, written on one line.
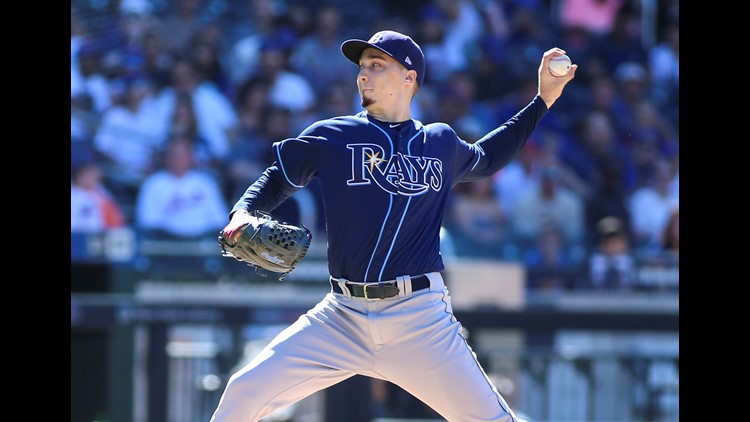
{"points": [[502, 145], [296, 162], [298, 159]]}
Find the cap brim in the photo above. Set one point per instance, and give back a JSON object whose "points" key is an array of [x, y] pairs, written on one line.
{"points": [[352, 49]]}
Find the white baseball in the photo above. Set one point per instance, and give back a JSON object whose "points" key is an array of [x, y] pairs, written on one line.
{"points": [[560, 65]]}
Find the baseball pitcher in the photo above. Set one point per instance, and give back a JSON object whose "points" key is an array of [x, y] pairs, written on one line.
{"points": [[385, 181]]}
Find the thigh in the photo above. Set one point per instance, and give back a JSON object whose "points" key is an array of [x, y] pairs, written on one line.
{"points": [[427, 356], [318, 350]]}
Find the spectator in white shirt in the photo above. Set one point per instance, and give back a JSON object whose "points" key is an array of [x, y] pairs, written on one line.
{"points": [[214, 112], [551, 203], [650, 207], [180, 201]]}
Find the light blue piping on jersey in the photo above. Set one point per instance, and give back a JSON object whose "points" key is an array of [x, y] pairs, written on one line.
{"points": [[281, 163], [480, 154], [390, 207], [400, 223], [408, 202]]}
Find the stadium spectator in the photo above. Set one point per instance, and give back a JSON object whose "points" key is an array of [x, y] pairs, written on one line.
{"points": [[90, 79], [79, 35], [205, 56], [651, 138], [92, 207], [179, 201], [448, 32], [530, 33], [608, 198], [551, 203], [157, 62], [440, 61], [458, 107], [252, 152], [623, 42], [477, 115], [475, 221], [250, 104], [316, 55], [184, 124], [258, 23], [214, 112], [493, 56], [521, 175], [650, 125], [632, 82], [596, 145], [650, 207], [604, 95], [288, 89], [550, 143], [128, 139], [664, 65], [523, 91], [464, 25], [179, 24], [611, 266], [84, 119], [552, 265]]}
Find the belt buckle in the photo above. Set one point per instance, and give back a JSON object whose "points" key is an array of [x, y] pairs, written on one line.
{"points": [[364, 289], [380, 286]]}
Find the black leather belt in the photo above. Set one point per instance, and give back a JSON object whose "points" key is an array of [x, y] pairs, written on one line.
{"points": [[382, 290]]}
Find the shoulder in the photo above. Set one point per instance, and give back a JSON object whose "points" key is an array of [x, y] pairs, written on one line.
{"points": [[439, 129], [325, 132], [441, 134], [334, 125]]}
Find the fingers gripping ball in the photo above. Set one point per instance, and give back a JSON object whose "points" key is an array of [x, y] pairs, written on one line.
{"points": [[560, 65], [271, 245]]}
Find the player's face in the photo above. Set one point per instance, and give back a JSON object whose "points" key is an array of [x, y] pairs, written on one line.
{"points": [[380, 78]]}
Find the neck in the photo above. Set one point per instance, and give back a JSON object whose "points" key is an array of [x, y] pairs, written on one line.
{"points": [[397, 112]]}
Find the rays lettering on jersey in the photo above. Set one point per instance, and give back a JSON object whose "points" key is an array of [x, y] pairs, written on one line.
{"points": [[399, 174]]}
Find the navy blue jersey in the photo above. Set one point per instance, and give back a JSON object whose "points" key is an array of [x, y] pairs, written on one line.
{"points": [[385, 186]]}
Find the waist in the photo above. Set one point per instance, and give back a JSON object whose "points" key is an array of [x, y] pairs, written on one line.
{"points": [[402, 286]]}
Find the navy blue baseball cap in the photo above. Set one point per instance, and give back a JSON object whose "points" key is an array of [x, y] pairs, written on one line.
{"points": [[395, 44]]}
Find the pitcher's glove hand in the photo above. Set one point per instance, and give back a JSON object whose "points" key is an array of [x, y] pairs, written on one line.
{"points": [[271, 245]]}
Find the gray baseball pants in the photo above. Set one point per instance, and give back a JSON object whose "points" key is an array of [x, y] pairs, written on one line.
{"points": [[412, 340]]}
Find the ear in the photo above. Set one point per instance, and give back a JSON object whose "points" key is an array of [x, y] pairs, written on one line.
{"points": [[410, 76]]}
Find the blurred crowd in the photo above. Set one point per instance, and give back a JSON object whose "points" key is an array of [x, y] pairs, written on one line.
{"points": [[175, 103]]}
